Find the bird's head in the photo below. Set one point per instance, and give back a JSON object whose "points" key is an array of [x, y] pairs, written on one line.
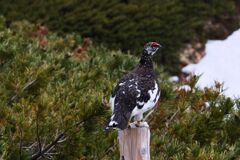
{"points": [[151, 48]]}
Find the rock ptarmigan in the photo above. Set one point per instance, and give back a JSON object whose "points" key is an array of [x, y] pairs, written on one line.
{"points": [[136, 92]]}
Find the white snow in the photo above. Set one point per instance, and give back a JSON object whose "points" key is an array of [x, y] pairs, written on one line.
{"points": [[221, 63], [236, 107], [185, 88], [174, 79]]}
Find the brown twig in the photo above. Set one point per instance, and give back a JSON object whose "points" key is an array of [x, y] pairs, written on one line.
{"points": [[114, 144], [171, 118], [20, 145], [48, 147], [37, 130], [148, 114], [25, 88], [58, 139]]}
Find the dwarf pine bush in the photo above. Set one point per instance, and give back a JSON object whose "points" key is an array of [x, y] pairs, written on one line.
{"points": [[46, 92], [129, 24], [53, 95]]}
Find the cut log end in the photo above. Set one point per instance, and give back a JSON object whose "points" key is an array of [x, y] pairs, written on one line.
{"points": [[134, 143]]}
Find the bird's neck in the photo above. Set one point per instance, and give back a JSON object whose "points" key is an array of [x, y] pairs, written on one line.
{"points": [[146, 62]]}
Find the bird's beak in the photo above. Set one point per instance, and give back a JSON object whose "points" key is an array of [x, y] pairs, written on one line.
{"points": [[159, 46]]}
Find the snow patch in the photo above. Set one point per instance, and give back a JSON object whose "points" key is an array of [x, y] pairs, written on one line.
{"points": [[174, 79], [221, 63], [236, 108], [185, 88]]}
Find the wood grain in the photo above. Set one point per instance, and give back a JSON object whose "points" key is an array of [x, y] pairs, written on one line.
{"points": [[134, 144]]}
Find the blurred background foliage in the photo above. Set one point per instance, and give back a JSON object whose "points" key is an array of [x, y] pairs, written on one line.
{"points": [[54, 88], [128, 24]]}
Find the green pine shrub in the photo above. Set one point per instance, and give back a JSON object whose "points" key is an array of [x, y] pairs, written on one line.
{"points": [[46, 94], [129, 24]]}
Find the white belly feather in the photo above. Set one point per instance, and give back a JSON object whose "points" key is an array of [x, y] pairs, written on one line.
{"points": [[112, 102], [149, 104]]}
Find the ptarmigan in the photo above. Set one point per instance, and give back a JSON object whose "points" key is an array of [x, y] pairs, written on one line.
{"points": [[136, 92]]}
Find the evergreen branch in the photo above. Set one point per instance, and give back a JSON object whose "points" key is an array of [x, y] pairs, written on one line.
{"points": [[148, 114], [151, 112], [12, 99], [105, 103], [114, 144], [53, 153], [48, 147], [37, 130], [29, 147], [171, 118], [58, 139], [48, 157], [20, 145], [26, 87]]}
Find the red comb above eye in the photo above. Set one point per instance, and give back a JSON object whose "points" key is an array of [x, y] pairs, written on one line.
{"points": [[153, 44]]}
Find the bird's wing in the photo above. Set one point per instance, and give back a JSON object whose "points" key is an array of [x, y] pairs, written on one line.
{"points": [[129, 91]]}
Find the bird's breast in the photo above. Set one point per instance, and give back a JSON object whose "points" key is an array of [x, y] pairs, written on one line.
{"points": [[143, 106]]}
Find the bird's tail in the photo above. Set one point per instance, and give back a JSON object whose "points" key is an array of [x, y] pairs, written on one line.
{"points": [[106, 127], [110, 124], [119, 121]]}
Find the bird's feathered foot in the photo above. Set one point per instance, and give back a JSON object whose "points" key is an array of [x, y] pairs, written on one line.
{"points": [[138, 124]]}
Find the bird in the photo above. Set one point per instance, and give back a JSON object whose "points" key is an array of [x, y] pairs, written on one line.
{"points": [[136, 92]]}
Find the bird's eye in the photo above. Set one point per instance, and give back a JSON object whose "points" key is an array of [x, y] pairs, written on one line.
{"points": [[154, 48]]}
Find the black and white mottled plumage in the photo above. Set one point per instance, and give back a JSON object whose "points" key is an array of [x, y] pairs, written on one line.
{"points": [[136, 92]]}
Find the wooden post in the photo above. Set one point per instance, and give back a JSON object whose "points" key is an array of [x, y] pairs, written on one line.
{"points": [[134, 143]]}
